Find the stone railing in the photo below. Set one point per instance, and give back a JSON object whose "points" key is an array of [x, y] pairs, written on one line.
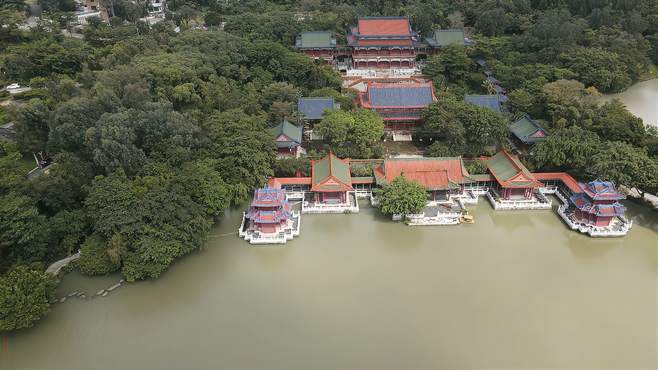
{"points": [[520, 204], [594, 231]]}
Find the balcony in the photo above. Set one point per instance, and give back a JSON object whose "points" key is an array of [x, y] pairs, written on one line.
{"points": [[538, 201], [351, 206], [254, 236]]}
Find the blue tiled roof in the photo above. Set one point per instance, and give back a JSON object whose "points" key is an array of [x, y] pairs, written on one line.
{"points": [[313, 108], [493, 102], [403, 96]]}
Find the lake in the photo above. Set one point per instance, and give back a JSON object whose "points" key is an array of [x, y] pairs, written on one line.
{"points": [[515, 290], [641, 99]]}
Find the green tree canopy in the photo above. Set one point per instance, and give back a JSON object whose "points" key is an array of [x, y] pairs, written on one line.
{"points": [[25, 296], [402, 197]]}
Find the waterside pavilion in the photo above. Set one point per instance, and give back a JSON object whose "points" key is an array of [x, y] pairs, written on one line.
{"points": [[593, 209], [270, 218], [515, 187], [331, 187]]}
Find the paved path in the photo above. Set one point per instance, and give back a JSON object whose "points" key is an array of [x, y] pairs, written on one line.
{"points": [[57, 266]]}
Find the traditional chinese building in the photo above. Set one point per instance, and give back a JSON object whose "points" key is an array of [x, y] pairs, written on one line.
{"points": [[270, 218], [446, 37], [400, 105], [515, 186], [495, 102], [383, 42], [312, 109], [317, 45], [598, 204], [527, 131], [331, 180], [442, 177], [288, 138]]}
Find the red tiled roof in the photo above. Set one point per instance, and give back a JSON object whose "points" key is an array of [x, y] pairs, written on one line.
{"points": [[566, 179], [432, 173], [276, 182], [401, 42], [384, 26]]}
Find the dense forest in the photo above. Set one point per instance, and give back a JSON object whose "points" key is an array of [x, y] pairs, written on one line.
{"points": [[153, 133]]}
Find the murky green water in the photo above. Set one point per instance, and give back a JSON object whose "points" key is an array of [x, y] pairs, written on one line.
{"points": [[515, 290], [641, 99]]}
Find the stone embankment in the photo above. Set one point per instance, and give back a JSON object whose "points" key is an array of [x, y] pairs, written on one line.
{"points": [[649, 199], [83, 295]]}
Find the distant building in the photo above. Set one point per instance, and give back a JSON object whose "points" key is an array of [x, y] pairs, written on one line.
{"points": [[288, 138], [383, 42], [527, 131], [494, 102], [157, 6], [401, 105], [443, 38], [318, 45], [312, 109]]}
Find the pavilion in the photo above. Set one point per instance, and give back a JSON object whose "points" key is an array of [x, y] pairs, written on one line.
{"points": [[331, 187], [288, 138], [515, 187], [270, 218], [598, 205], [527, 131], [318, 45]]}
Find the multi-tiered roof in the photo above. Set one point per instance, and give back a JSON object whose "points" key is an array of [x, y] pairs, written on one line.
{"points": [[269, 206], [382, 31], [599, 198]]}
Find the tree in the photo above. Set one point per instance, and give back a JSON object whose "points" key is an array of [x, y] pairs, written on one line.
{"points": [[626, 165], [243, 148], [569, 148], [613, 122], [25, 296], [462, 127], [94, 259], [12, 171], [23, 231], [31, 122], [452, 63], [63, 187], [402, 197], [111, 204], [352, 134], [112, 143], [492, 22], [598, 67]]}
